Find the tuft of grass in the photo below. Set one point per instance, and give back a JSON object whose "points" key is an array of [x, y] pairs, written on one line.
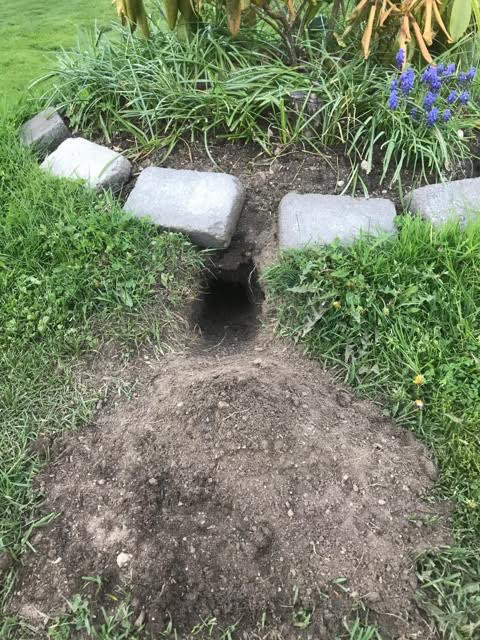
{"points": [[398, 318], [75, 272]]}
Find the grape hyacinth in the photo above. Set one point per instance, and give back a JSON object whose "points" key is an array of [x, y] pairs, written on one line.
{"points": [[449, 71], [400, 58], [429, 101], [438, 93], [393, 101], [471, 73], [452, 96], [432, 117], [407, 81]]}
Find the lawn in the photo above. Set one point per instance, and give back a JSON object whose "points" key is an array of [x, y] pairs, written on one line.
{"points": [[30, 32], [76, 273]]}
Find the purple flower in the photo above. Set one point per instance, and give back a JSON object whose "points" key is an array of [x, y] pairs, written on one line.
{"points": [[429, 101], [393, 101], [452, 96], [470, 75], [450, 70], [462, 78], [432, 117], [400, 58], [464, 97], [415, 113], [407, 80], [446, 115], [440, 69], [431, 79], [394, 84], [428, 74], [435, 84]]}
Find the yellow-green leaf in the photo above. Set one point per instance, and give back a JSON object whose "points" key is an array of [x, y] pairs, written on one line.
{"points": [[171, 11], [234, 16], [460, 18]]}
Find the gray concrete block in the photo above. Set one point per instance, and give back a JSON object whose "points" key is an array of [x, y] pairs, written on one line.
{"points": [[205, 206], [310, 219], [45, 131], [100, 167], [438, 203]]}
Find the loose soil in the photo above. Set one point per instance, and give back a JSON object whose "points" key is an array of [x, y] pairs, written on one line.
{"points": [[240, 474], [232, 480]]}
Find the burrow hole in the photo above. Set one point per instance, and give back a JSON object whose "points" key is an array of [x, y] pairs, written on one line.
{"points": [[230, 305]]}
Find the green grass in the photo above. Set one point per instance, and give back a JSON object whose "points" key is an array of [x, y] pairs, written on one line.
{"points": [[380, 313], [76, 274], [30, 32], [118, 620]]}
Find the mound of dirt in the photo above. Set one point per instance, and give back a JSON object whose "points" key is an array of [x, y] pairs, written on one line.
{"points": [[226, 484]]}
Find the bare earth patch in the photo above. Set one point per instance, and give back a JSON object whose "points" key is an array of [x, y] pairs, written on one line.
{"points": [[229, 481]]}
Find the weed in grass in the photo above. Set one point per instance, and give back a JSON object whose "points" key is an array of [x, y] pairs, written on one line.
{"points": [[397, 317], [74, 270]]}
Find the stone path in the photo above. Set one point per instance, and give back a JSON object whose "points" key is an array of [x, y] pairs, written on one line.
{"points": [[438, 203], [100, 167], [305, 220], [45, 131], [206, 206]]}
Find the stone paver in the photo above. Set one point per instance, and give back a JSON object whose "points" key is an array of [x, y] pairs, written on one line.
{"points": [[100, 167], [440, 202], [45, 131], [310, 219], [205, 206]]}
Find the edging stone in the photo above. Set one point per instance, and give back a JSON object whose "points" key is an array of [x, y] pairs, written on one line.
{"points": [[100, 167], [45, 131], [203, 205], [313, 219], [438, 203]]}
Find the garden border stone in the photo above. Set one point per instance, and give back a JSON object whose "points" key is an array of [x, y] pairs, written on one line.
{"points": [[203, 205], [311, 219], [45, 131], [438, 203], [78, 158]]}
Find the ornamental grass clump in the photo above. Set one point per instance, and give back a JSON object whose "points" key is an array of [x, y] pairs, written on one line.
{"points": [[433, 97]]}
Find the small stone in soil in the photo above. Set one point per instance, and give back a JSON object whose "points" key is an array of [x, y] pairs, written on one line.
{"points": [[123, 559]]}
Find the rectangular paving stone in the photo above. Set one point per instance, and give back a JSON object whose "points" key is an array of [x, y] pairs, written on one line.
{"points": [[45, 131], [316, 219], [100, 167], [203, 205], [438, 203]]}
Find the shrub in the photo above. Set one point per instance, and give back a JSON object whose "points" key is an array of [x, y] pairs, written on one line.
{"points": [[164, 89]]}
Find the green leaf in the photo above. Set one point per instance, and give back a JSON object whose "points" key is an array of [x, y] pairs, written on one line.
{"points": [[460, 18]]}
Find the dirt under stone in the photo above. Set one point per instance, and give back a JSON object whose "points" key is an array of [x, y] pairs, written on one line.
{"points": [[231, 482]]}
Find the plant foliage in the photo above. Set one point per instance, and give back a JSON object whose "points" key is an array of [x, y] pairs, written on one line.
{"points": [[414, 24]]}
